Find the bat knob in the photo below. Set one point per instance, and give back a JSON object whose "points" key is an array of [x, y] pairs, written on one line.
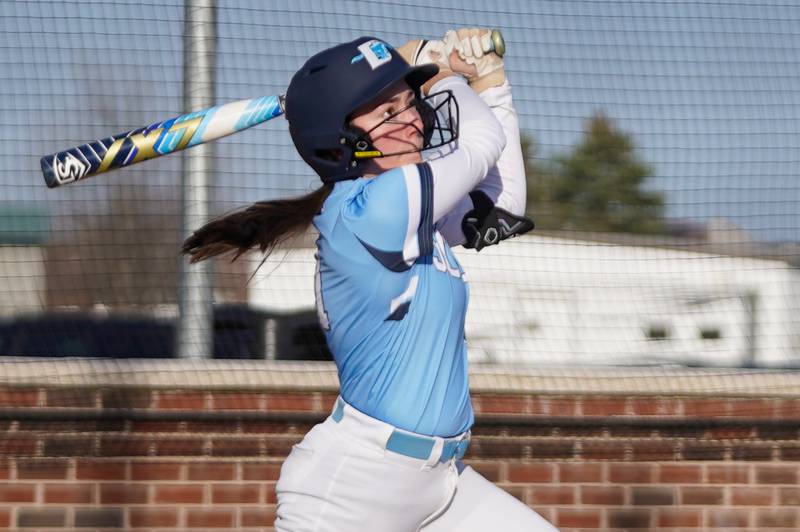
{"points": [[498, 44]]}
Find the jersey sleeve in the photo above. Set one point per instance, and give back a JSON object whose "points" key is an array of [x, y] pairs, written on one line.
{"points": [[391, 215], [505, 183]]}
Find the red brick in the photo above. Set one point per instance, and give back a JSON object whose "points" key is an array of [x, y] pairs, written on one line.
{"points": [[706, 407], [42, 470], [270, 496], [327, 400], [115, 445], [580, 472], [18, 445], [236, 447], [237, 401], [59, 445], [156, 426], [234, 493], [71, 397], [502, 404], [788, 409], [178, 493], [5, 518], [126, 398], [212, 471], [264, 517], [260, 471], [604, 450], [19, 397], [515, 490], [153, 516], [73, 493], [100, 470], [627, 519], [117, 493], [727, 474], [730, 433], [789, 452], [755, 496], [538, 406], [563, 406], [645, 407], [5, 469], [550, 449], [289, 401], [726, 518], [558, 495], [702, 450], [489, 470], [789, 496], [652, 496], [701, 495], [232, 427], [771, 518], [761, 408], [680, 474], [752, 452], [156, 471], [603, 495], [530, 472], [190, 446], [654, 450], [36, 517], [181, 400], [17, 492], [209, 518], [680, 517], [569, 518], [631, 473], [604, 406], [776, 474]]}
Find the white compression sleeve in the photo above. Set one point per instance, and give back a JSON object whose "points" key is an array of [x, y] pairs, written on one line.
{"points": [[480, 142], [505, 183]]}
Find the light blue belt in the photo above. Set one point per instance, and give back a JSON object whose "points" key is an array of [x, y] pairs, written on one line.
{"points": [[414, 445]]}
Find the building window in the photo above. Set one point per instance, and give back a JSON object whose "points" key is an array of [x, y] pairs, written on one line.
{"points": [[657, 332]]}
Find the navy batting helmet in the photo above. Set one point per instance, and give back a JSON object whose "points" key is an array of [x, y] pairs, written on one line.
{"points": [[329, 87]]}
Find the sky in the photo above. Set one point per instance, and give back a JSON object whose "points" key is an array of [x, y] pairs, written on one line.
{"points": [[710, 92]]}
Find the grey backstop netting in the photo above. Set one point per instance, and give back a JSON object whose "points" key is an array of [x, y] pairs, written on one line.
{"points": [[661, 147]]}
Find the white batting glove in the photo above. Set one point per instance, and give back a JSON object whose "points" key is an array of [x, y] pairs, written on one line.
{"points": [[474, 46], [435, 51]]}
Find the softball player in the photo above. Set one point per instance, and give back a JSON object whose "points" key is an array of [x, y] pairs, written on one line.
{"points": [[391, 295]]}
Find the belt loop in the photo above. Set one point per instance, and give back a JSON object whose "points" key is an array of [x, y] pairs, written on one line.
{"points": [[338, 412], [436, 452]]}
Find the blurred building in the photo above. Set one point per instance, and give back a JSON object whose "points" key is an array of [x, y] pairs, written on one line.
{"points": [[605, 299]]}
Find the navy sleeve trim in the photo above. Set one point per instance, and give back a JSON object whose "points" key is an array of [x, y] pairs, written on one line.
{"points": [[392, 260], [425, 231]]}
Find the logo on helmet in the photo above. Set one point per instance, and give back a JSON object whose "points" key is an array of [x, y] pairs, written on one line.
{"points": [[375, 52]]}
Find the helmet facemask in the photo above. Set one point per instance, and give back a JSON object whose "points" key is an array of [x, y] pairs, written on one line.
{"points": [[439, 115]]}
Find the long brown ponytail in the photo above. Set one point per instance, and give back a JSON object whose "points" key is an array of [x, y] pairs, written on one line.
{"points": [[264, 224]]}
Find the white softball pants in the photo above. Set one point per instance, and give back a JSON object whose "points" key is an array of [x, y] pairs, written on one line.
{"points": [[341, 478]]}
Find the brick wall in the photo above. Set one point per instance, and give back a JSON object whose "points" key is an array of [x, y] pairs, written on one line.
{"points": [[139, 458]]}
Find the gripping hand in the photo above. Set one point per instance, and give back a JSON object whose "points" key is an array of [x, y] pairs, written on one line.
{"points": [[486, 225], [475, 53]]}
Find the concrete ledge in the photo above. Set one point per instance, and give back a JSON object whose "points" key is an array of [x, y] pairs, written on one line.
{"points": [[321, 376]]}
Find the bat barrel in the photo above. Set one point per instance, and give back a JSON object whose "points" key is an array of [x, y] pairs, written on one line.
{"points": [[160, 138]]}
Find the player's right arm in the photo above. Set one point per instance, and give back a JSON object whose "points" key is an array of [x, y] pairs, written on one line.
{"points": [[393, 214], [495, 209]]}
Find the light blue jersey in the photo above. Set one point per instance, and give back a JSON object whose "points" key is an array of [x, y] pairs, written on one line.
{"points": [[392, 299]]}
